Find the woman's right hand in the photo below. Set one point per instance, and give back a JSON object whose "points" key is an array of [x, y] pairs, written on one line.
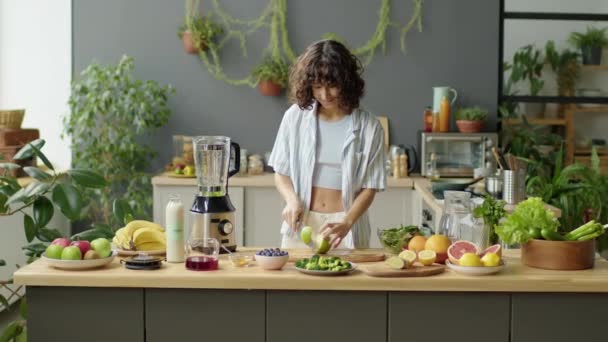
{"points": [[292, 214]]}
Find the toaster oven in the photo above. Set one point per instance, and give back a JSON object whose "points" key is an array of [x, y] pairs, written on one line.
{"points": [[457, 154]]}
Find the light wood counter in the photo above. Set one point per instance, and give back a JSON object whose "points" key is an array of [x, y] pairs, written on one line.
{"points": [[515, 278], [264, 180]]}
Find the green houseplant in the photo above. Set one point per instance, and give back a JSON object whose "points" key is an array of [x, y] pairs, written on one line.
{"points": [[272, 75], [37, 203], [112, 112], [591, 44], [197, 32], [470, 119], [566, 66], [527, 66]]}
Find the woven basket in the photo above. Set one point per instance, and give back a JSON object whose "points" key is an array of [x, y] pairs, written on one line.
{"points": [[11, 118]]}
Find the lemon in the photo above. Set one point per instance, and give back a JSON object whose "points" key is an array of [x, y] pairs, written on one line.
{"points": [[470, 259], [490, 260], [408, 256], [427, 257]]}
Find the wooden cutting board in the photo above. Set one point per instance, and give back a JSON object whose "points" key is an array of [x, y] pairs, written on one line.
{"points": [[417, 271], [355, 255]]}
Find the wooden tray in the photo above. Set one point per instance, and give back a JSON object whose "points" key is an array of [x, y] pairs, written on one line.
{"points": [[122, 252], [558, 255], [416, 271], [356, 256], [176, 175]]}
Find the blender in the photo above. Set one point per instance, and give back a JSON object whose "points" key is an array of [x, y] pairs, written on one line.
{"points": [[216, 158]]}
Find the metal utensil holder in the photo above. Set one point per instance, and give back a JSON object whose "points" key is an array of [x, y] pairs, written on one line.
{"points": [[514, 186]]}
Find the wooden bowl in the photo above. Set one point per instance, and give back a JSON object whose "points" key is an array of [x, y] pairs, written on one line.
{"points": [[559, 255]]}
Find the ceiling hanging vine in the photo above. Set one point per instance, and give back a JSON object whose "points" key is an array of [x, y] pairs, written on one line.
{"points": [[207, 36]]}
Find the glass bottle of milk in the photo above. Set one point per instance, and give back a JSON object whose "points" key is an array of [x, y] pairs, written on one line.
{"points": [[174, 229]]}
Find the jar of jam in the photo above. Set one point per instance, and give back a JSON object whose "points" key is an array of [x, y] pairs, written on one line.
{"points": [[428, 119]]}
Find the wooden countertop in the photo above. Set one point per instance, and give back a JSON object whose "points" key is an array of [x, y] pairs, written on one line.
{"points": [[264, 180], [514, 278]]}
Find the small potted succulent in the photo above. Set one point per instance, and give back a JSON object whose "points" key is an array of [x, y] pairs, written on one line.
{"points": [[470, 119], [197, 33], [591, 44], [271, 75]]}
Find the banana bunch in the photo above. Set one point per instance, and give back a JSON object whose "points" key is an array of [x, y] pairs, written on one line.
{"points": [[140, 235]]}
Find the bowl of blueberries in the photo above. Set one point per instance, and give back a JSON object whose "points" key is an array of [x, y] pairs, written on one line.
{"points": [[271, 258]]}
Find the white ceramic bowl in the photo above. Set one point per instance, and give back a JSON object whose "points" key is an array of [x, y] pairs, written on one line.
{"points": [[272, 262], [475, 271], [79, 264]]}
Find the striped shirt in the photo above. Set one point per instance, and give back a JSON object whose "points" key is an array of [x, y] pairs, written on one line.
{"points": [[363, 160]]}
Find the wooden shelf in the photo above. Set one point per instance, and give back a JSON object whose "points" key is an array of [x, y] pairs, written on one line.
{"points": [[594, 67], [555, 16], [587, 151], [537, 121], [600, 109], [555, 99]]}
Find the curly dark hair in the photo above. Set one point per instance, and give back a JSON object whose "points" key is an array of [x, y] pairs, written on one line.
{"points": [[331, 64]]}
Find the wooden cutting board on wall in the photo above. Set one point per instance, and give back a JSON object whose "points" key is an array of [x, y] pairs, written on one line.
{"points": [[384, 122]]}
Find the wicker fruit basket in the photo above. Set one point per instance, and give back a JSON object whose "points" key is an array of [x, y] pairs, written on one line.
{"points": [[11, 118]]}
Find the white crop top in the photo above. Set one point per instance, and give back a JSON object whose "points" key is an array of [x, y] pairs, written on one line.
{"points": [[330, 143]]}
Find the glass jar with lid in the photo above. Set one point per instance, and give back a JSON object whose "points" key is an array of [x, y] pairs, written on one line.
{"points": [[255, 165]]}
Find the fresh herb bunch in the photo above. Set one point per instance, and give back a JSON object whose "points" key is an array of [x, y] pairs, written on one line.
{"points": [[471, 114], [492, 211], [526, 222], [594, 37], [528, 65], [393, 239], [203, 29], [272, 69]]}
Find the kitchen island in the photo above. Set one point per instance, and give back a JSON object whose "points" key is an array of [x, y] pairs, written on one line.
{"points": [[249, 304]]}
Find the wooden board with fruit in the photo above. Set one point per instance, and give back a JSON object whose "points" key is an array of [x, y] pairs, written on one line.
{"points": [[78, 255], [408, 263]]}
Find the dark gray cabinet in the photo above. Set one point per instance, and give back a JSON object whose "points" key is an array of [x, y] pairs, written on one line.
{"points": [[85, 314]]}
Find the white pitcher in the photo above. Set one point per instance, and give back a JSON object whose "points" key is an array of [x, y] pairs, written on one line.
{"points": [[439, 93]]}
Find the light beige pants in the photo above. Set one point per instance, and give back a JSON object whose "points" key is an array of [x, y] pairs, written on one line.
{"points": [[315, 220]]}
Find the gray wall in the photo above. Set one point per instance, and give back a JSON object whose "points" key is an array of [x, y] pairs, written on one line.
{"points": [[458, 47]]}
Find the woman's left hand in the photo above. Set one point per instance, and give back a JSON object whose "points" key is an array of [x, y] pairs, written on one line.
{"points": [[335, 232]]}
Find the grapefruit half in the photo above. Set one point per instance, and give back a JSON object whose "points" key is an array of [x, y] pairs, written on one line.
{"points": [[492, 249], [458, 248]]}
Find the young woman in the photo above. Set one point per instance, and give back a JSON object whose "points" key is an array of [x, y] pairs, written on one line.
{"points": [[329, 155]]}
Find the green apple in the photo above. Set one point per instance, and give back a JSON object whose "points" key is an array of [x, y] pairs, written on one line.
{"points": [[306, 234], [102, 246], [71, 253], [54, 251], [322, 245], [189, 171]]}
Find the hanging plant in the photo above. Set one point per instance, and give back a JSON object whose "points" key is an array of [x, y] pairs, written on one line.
{"points": [[197, 33], [271, 75], [274, 18]]}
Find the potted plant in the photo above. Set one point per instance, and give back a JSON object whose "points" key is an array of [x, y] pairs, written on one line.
{"points": [[271, 75], [528, 65], [132, 110], [591, 44], [470, 119], [38, 202], [197, 33]]}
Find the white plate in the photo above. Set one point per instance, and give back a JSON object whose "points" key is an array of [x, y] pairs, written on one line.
{"points": [[353, 267], [79, 264], [475, 271]]}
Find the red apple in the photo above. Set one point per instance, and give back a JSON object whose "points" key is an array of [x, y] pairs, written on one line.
{"points": [[84, 246], [63, 242]]}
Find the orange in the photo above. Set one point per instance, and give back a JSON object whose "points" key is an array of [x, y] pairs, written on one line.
{"points": [[416, 243], [438, 243]]}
